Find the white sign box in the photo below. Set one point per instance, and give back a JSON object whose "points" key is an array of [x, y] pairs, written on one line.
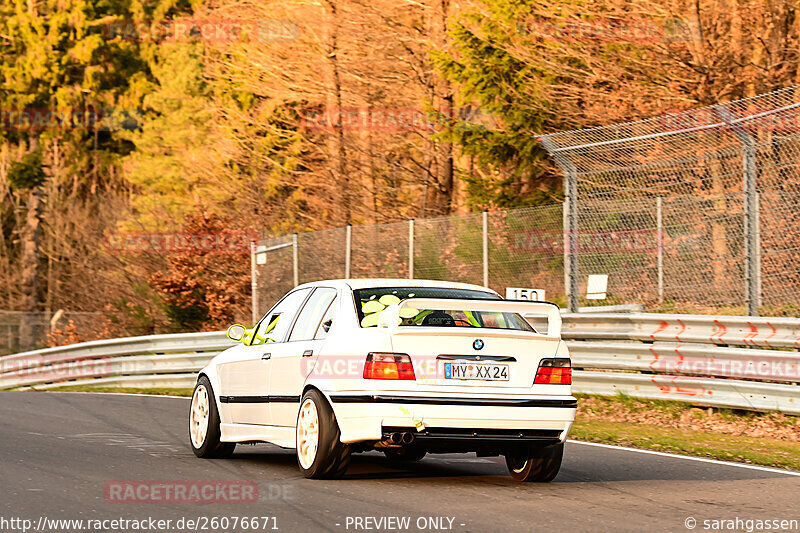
{"points": [[597, 287], [518, 293]]}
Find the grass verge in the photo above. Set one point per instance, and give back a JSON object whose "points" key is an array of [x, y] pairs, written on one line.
{"points": [[737, 448], [767, 439]]}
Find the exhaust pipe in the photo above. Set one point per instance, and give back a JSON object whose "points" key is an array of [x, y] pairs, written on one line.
{"points": [[396, 438], [408, 437]]}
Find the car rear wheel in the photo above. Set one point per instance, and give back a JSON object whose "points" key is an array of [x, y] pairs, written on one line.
{"points": [[541, 465], [204, 431], [320, 453]]}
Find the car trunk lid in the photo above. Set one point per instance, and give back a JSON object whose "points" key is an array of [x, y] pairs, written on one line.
{"points": [[474, 359]]}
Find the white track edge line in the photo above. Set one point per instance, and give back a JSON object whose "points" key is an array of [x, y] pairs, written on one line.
{"points": [[689, 457]]}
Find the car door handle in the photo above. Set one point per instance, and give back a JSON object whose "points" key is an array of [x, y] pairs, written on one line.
{"points": [[308, 353], [265, 356]]}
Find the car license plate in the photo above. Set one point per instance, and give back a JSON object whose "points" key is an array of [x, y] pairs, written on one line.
{"points": [[476, 371]]}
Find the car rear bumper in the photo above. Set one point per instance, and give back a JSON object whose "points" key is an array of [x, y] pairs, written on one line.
{"points": [[454, 419]]}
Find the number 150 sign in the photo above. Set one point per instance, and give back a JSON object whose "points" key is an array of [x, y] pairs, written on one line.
{"points": [[517, 293]]}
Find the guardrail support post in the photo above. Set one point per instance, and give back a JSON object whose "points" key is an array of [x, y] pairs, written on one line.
{"points": [[253, 282], [411, 249], [348, 249], [485, 248], [295, 261]]}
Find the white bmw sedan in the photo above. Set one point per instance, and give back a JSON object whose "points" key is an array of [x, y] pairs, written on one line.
{"points": [[406, 367]]}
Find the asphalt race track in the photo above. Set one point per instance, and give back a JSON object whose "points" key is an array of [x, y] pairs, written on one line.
{"points": [[59, 451]]}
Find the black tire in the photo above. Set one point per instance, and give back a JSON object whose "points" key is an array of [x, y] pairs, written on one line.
{"points": [[540, 465], [332, 457], [211, 447], [405, 454]]}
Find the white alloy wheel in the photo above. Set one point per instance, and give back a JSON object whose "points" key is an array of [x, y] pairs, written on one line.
{"points": [[198, 420], [307, 433]]}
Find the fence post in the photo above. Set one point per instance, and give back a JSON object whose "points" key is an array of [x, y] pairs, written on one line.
{"points": [[253, 282], [295, 261], [485, 248], [348, 243], [411, 249], [565, 244], [759, 295], [571, 271], [572, 187], [751, 231], [751, 225], [660, 240]]}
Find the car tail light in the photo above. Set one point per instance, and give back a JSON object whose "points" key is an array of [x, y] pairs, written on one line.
{"points": [[554, 372], [388, 366]]}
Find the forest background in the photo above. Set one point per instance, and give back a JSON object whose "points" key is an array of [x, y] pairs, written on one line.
{"points": [[123, 119]]}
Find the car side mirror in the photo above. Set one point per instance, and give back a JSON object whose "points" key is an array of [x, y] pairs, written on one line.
{"points": [[236, 332], [326, 326]]}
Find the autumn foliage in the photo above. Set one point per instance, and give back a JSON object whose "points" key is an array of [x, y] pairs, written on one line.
{"points": [[334, 112], [203, 289]]}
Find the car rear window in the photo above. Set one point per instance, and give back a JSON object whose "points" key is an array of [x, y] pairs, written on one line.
{"points": [[370, 303]]}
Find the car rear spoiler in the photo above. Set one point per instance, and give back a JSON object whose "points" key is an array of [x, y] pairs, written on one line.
{"points": [[390, 317]]}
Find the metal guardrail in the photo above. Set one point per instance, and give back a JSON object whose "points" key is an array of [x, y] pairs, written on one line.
{"points": [[737, 362], [162, 359], [688, 359], [730, 393], [704, 329], [723, 361]]}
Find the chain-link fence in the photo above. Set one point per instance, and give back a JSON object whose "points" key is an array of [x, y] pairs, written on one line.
{"points": [[519, 248], [728, 180], [690, 212], [21, 331]]}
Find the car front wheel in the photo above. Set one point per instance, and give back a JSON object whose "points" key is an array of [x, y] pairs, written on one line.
{"points": [[320, 453], [204, 430], [541, 465]]}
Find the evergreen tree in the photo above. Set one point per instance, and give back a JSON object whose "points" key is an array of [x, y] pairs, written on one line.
{"points": [[502, 85]]}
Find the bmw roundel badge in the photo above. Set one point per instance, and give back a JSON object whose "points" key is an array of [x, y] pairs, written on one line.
{"points": [[478, 344]]}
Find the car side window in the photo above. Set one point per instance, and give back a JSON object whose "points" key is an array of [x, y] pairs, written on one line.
{"points": [[327, 321], [309, 319], [275, 325]]}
